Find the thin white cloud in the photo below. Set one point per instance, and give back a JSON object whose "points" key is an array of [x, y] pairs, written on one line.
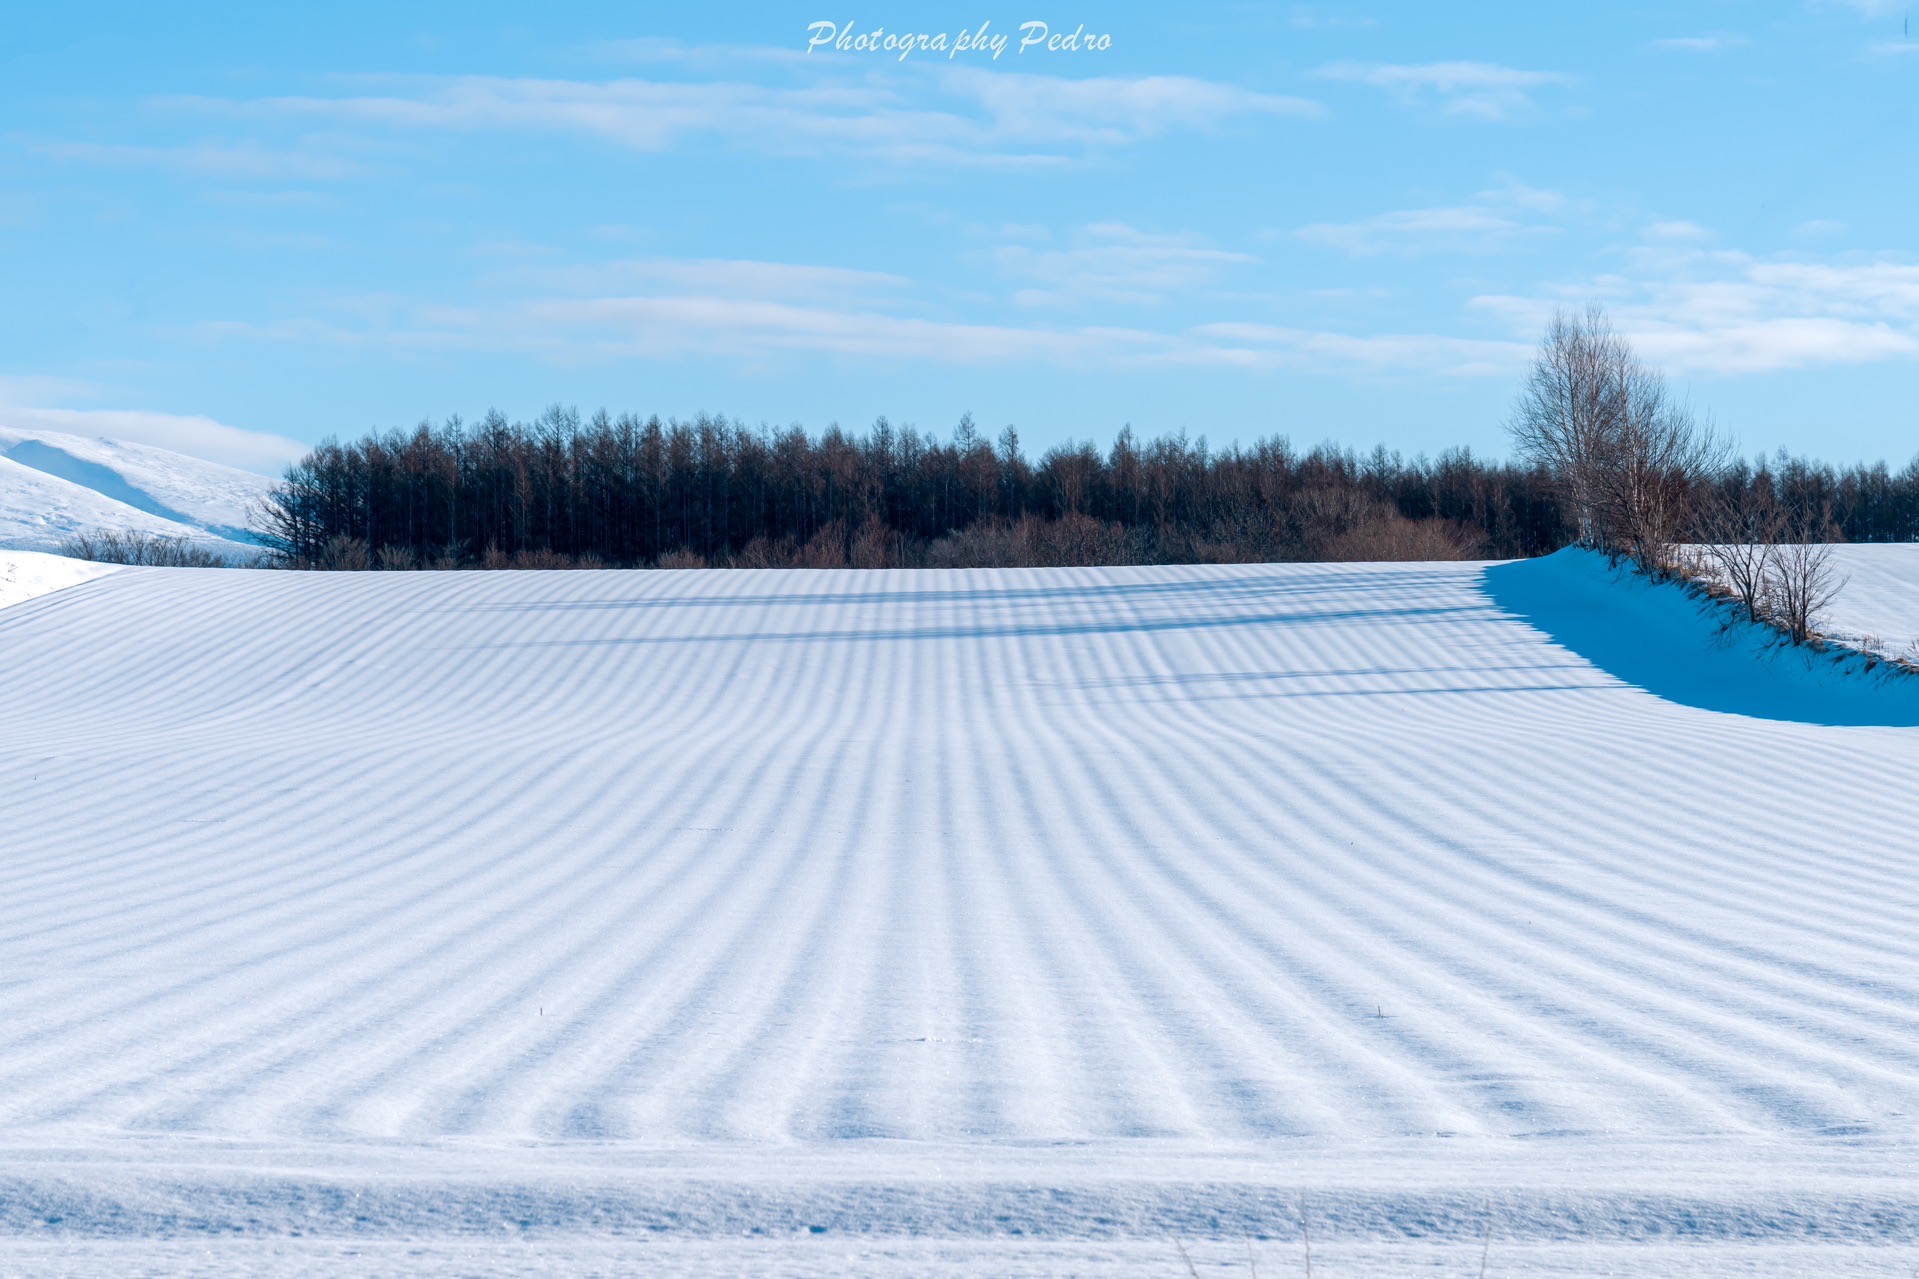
{"points": [[1306, 18], [584, 329], [1888, 289], [667, 326], [1474, 90], [1763, 346], [1385, 352], [665, 50], [1462, 228], [1112, 110], [730, 278], [670, 323], [1729, 313], [744, 327], [960, 115], [1677, 232], [220, 159], [1493, 220], [1715, 42], [1511, 191], [642, 115], [1114, 263]]}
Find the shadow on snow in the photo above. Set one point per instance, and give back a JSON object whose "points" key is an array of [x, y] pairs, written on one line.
{"points": [[1660, 639]]}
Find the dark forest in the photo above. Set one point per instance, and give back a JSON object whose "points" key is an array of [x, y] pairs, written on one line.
{"points": [[563, 491]]}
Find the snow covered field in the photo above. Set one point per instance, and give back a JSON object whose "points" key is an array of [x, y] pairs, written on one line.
{"points": [[960, 923], [1880, 598]]}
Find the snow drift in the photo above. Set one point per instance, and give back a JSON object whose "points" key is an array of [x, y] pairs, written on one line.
{"points": [[1014, 921]]}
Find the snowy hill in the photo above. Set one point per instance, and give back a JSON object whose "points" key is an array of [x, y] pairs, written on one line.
{"points": [[53, 485], [1010, 922], [26, 575]]}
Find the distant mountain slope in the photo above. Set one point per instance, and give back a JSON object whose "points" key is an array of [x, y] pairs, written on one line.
{"points": [[53, 485]]}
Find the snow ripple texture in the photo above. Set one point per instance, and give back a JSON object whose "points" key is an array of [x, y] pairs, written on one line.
{"points": [[989, 905]]}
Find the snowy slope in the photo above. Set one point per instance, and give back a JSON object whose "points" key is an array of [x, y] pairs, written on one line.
{"points": [[1010, 922], [53, 485]]}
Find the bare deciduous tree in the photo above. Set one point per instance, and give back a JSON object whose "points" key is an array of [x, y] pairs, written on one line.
{"points": [[1739, 535], [1567, 410], [1658, 466], [1803, 582], [112, 546], [1628, 458]]}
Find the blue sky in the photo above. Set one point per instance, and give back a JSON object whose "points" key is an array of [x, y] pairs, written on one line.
{"points": [[227, 228]]}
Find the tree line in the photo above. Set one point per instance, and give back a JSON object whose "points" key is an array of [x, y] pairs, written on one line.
{"points": [[621, 491], [1605, 456]]}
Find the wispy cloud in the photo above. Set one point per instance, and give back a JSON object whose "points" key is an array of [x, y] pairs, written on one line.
{"points": [[1678, 231], [1114, 263], [1461, 228], [1112, 110], [729, 278], [945, 115], [1474, 90], [709, 309], [576, 330], [220, 159], [659, 50], [588, 330], [1427, 353], [1713, 42], [746, 327], [1726, 312], [640, 115], [1493, 220], [1305, 17]]}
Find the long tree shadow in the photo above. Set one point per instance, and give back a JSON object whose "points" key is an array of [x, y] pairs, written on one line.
{"points": [[1660, 639]]}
